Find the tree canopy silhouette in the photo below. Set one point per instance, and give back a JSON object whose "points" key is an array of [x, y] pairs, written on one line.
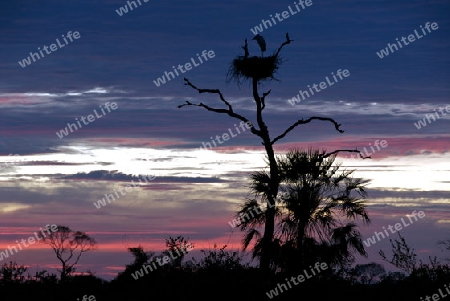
{"points": [[316, 198], [69, 246]]}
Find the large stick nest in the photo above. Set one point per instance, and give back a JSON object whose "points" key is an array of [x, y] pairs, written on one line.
{"points": [[260, 68]]}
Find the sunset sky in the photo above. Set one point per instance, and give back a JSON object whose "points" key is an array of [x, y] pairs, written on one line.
{"points": [[116, 59]]}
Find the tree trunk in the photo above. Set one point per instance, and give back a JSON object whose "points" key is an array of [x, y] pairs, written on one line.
{"points": [[63, 272], [269, 226]]}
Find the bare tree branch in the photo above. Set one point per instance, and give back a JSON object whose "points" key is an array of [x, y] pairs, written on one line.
{"points": [[228, 111], [349, 151], [301, 121], [288, 41], [245, 47], [217, 91], [263, 98]]}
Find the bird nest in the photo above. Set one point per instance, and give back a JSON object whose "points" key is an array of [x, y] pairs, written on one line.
{"points": [[255, 67]]}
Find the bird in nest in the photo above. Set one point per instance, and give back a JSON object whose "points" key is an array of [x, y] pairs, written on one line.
{"points": [[261, 42]]}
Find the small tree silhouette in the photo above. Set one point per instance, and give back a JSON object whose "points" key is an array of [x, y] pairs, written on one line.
{"points": [[68, 246], [12, 272], [403, 256], [176, 248], [220, 260]]}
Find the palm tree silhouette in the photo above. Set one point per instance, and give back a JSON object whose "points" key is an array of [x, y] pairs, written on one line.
{"points": [[315, 214]]}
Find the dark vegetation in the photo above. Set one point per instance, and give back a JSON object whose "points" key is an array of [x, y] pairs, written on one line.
{"points": [[220, 274]]}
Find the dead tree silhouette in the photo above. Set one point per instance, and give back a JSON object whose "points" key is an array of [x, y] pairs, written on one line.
{"points": [[257, 69]]}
